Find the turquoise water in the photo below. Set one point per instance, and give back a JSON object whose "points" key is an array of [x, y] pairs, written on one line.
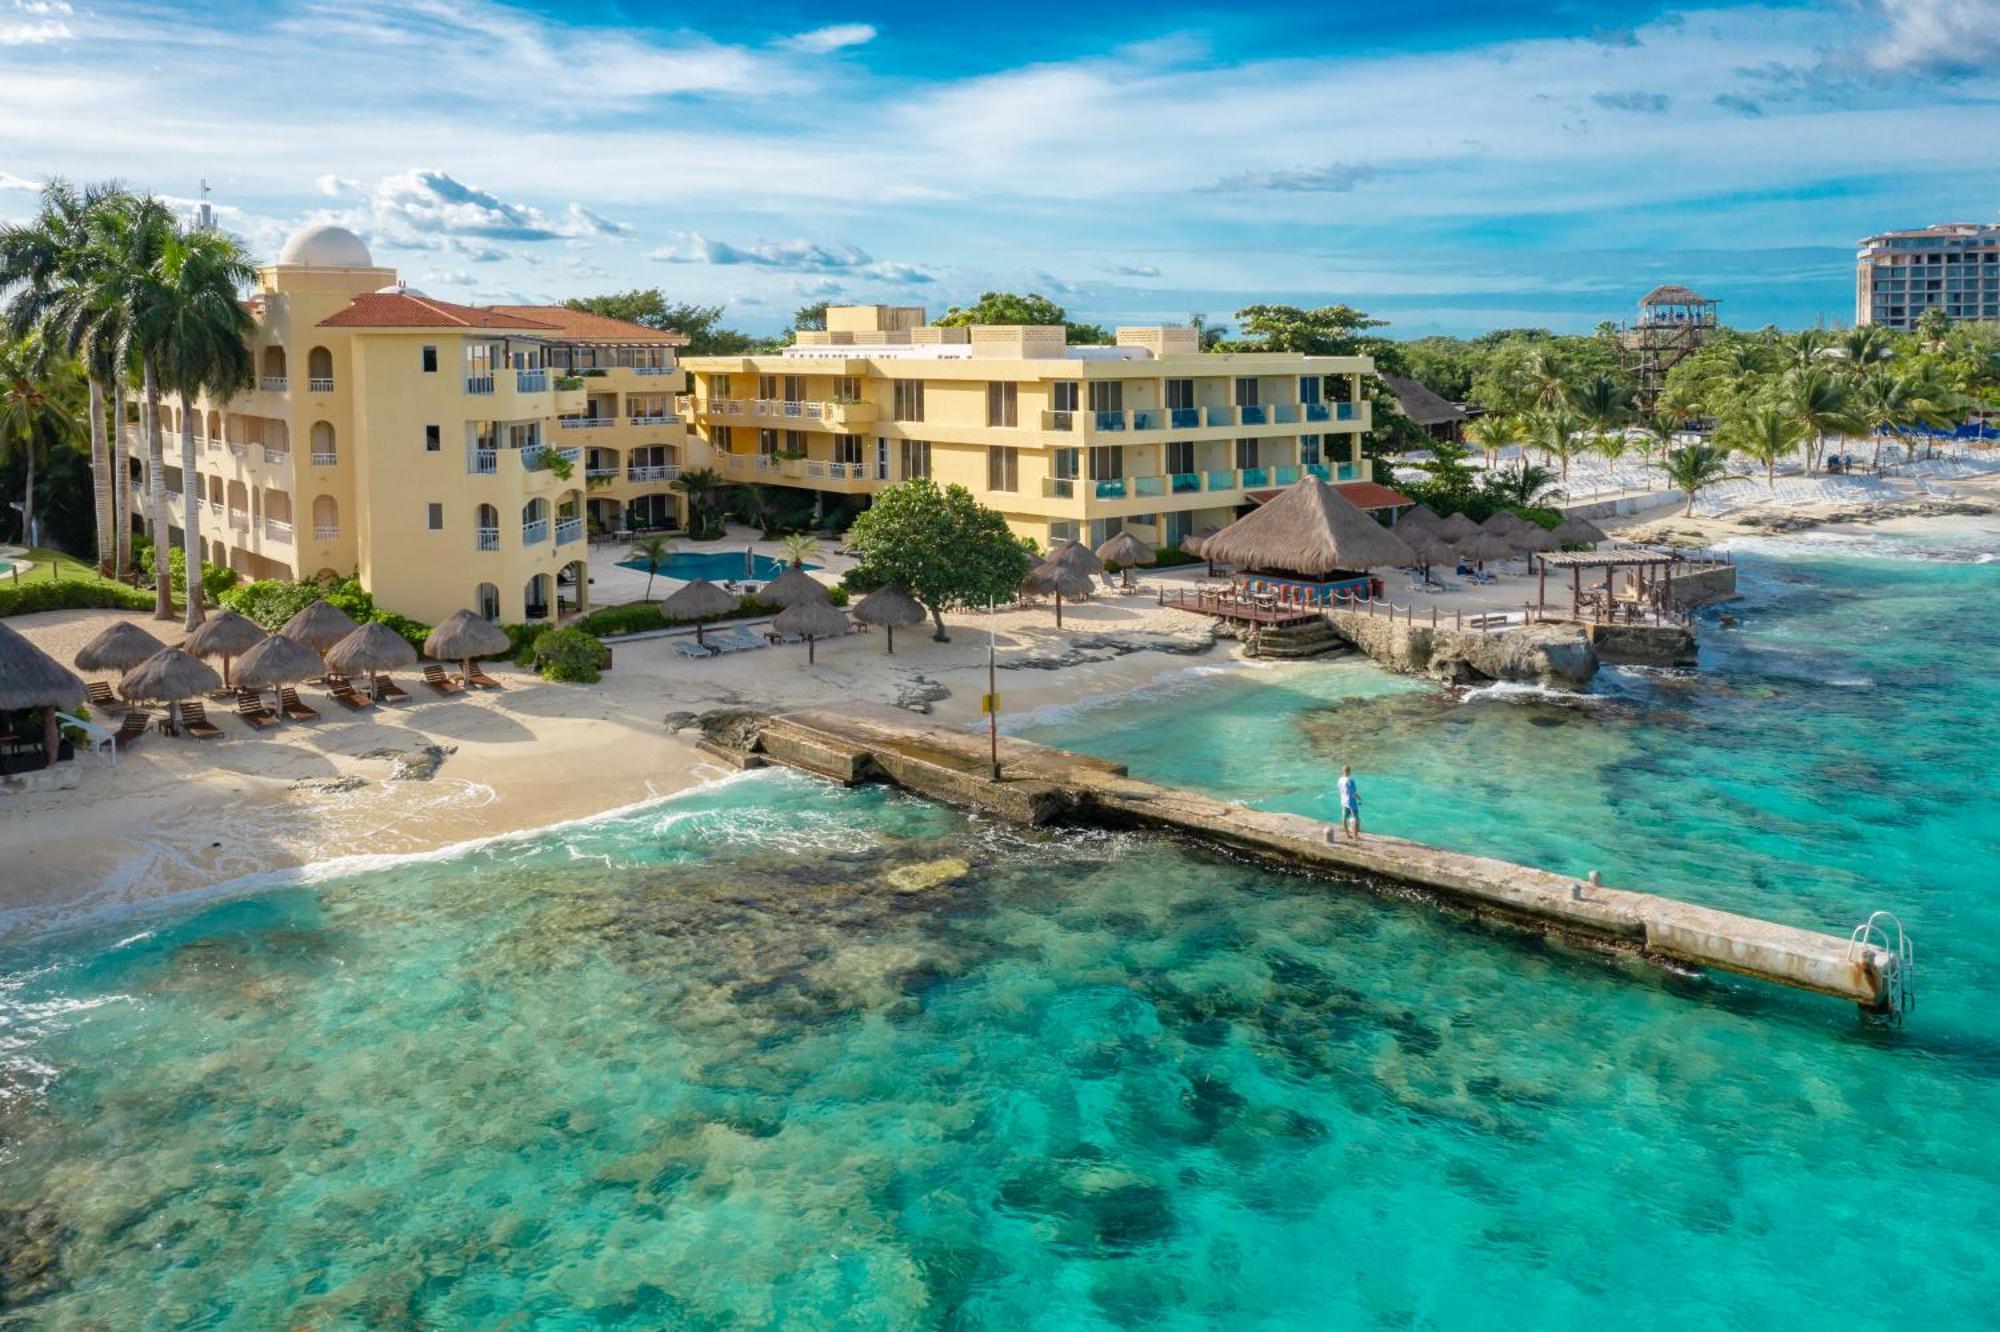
{"points": [[690, 565], [780, 1055]]}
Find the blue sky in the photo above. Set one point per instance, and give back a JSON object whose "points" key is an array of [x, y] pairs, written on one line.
{"points": [[1452, 167]]}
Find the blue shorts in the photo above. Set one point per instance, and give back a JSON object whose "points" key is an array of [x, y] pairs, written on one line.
{"points": [[1350, 811]]}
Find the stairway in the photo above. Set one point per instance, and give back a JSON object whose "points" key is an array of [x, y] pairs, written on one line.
{"points": [[1314, 638]]}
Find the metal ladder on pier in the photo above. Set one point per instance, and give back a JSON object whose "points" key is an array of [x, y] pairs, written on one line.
{"points": [[1882, 931]]}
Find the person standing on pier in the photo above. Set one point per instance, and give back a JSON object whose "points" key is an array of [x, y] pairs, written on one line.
{"points": [[1350, 806]]}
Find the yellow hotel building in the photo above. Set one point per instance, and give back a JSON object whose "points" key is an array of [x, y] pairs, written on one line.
{"points": [[422, 444], [1151, 434]]}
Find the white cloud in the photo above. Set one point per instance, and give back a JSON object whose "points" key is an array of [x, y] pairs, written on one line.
{"points": [[835, 37], [1134, 270], [1953, 38], [427, 208], [1333, 178], [1644, 103], [39, 33], [10, 181], [792, 256]]}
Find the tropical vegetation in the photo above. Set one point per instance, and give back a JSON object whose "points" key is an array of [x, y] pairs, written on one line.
{"points": [[942, 547]]}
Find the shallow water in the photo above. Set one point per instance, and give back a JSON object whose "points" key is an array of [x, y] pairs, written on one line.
{"points": [[775, 1054]]}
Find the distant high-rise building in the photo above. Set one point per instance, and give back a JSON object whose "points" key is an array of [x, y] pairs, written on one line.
{"points": [[1954, 267]]}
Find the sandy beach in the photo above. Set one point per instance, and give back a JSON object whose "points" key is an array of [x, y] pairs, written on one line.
{"points": [[176, 816]]}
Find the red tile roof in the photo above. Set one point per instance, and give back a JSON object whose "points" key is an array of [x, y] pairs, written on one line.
{"points": [[403, 309], [1361, 494], [586, 326]]}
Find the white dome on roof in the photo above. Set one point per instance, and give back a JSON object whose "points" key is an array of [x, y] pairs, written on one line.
{"points": [[326, 246]]}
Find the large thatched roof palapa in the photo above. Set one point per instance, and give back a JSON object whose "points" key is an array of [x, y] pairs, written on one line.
{"points": [[1194, 542], [1579, 532], [1308, 528], [168, 676], [31, 678], [319, 626], [275, 661], [224, 634], [119, 648], [1417, 515], [1125, 549], [698, 601], [791, 588], [1049, 578], [372, 647], [1073, 554], [890, 607], [1455, 527], [811, 619], [462, 635]]}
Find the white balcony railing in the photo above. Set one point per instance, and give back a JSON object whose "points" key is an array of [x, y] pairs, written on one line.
{"points": [[586, 422], [240, 450], [320, 383], [596, 472], [568, 530], [653, 418], [239, 520], [326, 531], [535, 532], [324, 459], [652, 369], [482, 462], [656, 472], [835, 471], [174, 500], [486, 538], [279, 456], [480, 384], [280, 532], [532, 381], [272, 383]]}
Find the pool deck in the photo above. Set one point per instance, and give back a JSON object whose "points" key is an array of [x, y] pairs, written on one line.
{"points": [[1040, 785]]}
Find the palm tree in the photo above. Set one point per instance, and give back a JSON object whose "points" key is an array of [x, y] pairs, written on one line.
{"points": [[1494, 432], [1892, 403], [1602, 402], [1766, 433], [1520, 486], [1866, 347], [37, 411], [1557, 434], [701, 485], [655, 551], [1542, 376], [201, 334], [1693, 469], [1820, 401], [799, 547], [1802, 349]]}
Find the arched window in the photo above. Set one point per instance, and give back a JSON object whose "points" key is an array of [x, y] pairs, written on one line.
{"points": [[486, 528], [326, 518], [488, 601], [535, 595], [319, 370], [274, 368], [534, 521], [323, 454]]}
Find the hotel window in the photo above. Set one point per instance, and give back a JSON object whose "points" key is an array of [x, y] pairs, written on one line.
{"points": [[1177, 526], [795, 441], [1063, 463], [1309, 449], [1063, 395], [1107, 397], [1246, 453], [478, 359], [767, 387], [527, 436], [723, 441], [1180, 394], [1246, 392], [1003, 469], [486, 434], [433, 438], [847, 388], [847, 449], [430, 360], [1180, 457], [909, 400], [794, 389], [435, 516], [1312, 388], [1107, 463], [916, 457], [767, 442], [1003, 402]]}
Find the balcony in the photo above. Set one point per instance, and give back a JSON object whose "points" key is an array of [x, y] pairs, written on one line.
{"points": [[240, 450], [537, 460], [1284, 476], [816, 470], [1285, 413], [215, 507], [1166, 418], [601, 473], [479, 384], [239, 519], [1063, 421], [586, 422], [531, 381], [568, 530], [533, 534], [1347, 411], [1255, 477], [1111, 488], [325, 459], [1058, 487], [657, 472], [280, 532], [652, 369], [1317, 411], [1252, 415], [1184, 483], [1218, 416], [174, 499], [486, 538], [655, 418], [326, 532], [273, 383], [482, 462], [1107, 420], [320, 384], [277, 457]]}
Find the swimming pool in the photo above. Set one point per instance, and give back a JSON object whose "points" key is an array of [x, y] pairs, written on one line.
{"points": [[688, 566]]}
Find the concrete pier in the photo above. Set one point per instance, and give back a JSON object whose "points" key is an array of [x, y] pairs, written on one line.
{"points": [[1042, 785]]}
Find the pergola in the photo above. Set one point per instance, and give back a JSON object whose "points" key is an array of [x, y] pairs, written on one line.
{"points": [[1651, 570]]}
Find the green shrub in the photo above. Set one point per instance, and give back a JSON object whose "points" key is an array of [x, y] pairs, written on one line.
{"points": [[570, 656], [272, 601], [215, 579], [837, 595], [632, 618], [70, 594], [855, 581], [569, 381], [596, 373]]}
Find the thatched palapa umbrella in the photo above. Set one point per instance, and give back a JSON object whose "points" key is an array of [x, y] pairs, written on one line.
{"points": [[225, 634], [699, 601], [1532, 537], [277, 661], [890, 607], [791, 588], [1126, 550], [461, 636], [1417, 515], [1063, 581], [1195, 543], [168, 676], [1073, 554], [372, 648], [1455, 527], [1502, 523], [1481, 547], [1579, 532], [1311, 530], [119, 648], [1429, 550], [319, 626], [815, 619], [31, 678]]}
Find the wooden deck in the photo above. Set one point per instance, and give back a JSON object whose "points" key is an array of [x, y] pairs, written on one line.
{"points": [[1239, 610]]}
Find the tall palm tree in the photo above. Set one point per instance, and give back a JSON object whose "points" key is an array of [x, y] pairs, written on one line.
{"points": [[1542, 376], [1802, 349], [1494, 432], [1821, 401], [655, 551], [1891, 404], [1766, 433], [1866, 347], [200, 332], [799, 547], [38, 410], [1558, 434], [130, 239], [1693, 469], [1605, 406], [701, 485]]}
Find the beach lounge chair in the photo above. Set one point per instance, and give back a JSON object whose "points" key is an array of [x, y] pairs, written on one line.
{"points": [[131, 728], [194, 720], [435, 677], [343, 693], [294, 710], [476, 678], [389, 691], [100, 695], [250, 707], [687, 647]]}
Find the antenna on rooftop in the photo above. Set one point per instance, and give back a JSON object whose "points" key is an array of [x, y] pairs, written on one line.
{"points": [[204, 212]]}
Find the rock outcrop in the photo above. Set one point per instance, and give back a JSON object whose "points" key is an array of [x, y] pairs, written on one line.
{"points": [[1558, 655]]}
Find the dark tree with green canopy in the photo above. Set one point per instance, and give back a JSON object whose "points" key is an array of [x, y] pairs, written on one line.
{"points": [[649, 309], [941, 546], [1008, 307]]}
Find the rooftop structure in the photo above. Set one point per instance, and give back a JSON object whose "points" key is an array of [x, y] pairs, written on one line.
{"points": [[1673, 321], [1150, 434], [1953, 267]]}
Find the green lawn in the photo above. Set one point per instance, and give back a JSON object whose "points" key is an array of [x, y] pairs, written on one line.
{"points": [[50, 565]]}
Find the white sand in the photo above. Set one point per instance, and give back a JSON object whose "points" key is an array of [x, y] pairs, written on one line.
{"points": [[177, 815]]}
